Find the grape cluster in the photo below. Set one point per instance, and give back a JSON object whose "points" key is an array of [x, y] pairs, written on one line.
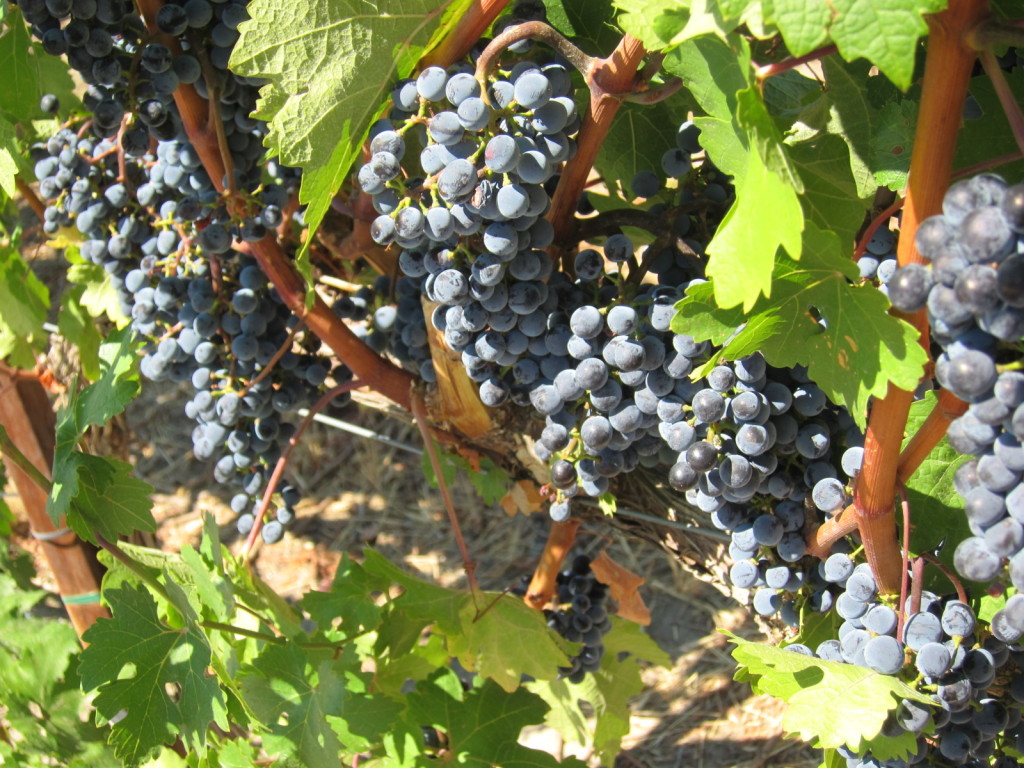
{"points": [[132, 189], [581, 616], [973, 289], [976, 684]]}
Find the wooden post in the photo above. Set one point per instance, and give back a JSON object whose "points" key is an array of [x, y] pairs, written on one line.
{"points": [[26, 414]]}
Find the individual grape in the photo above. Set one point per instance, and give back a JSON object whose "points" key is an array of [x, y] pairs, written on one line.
{"points": [[645, 184], [837, 568], [884, 654], [532, 90], [431, 82], [272, 532], [932, 659]]}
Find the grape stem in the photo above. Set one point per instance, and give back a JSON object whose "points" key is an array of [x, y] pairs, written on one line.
{"points": [[878, 221], [958, 585], [904, 578], [531, 30], [561, 537], [765, 71], [419, 412], [947, 408], [996, 33], [1006, 98], [947, 73], [287, 345], [282, 462]]}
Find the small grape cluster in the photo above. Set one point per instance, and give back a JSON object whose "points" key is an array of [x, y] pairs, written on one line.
{"points": [[973, 288], [581, 616], [977, 685]]}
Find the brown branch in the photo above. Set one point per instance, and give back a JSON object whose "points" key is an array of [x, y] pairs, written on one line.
{"points": [[947, 408], [282, 462], [419, 412], [609, 79], [464, 35], [947, 72], [560, 540], [765, 71], [38, 206]]}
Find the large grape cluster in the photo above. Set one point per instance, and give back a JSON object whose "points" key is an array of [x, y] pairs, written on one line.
{"points": [[132, 188], [973, 289]]}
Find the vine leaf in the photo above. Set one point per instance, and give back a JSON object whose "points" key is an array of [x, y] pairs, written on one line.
{"points": [[885, 32], [853, 352], [318, 102], [293, 691], [829, 703], [892, 143], [159, 656], [503, 643], [25, 301], [483, 725], [933, 497], [29, 73], [8, 153], [98, 493]]}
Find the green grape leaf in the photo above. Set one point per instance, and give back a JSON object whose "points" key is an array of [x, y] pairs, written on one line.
{"points": [[9, 153], [348, 601], [832, 198], [25, 301], [636, 141], [988, 134], [852, 116], [99, 296], [293, 691], [318, 102], [664, 23], [509, 640], [93, 406], [29, 73], [483, 725], [588, 23], [765, 217], [77, 326], [107, 500], [829, 703], [607, 691], [853, 354], [132, 659], [885, 32], [933, 498], [503, 642], [893, 143]]}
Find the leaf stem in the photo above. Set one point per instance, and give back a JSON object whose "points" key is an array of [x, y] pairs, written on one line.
{"points": [[135, 567], [765, 71], [10, 450], [243, 632]]}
